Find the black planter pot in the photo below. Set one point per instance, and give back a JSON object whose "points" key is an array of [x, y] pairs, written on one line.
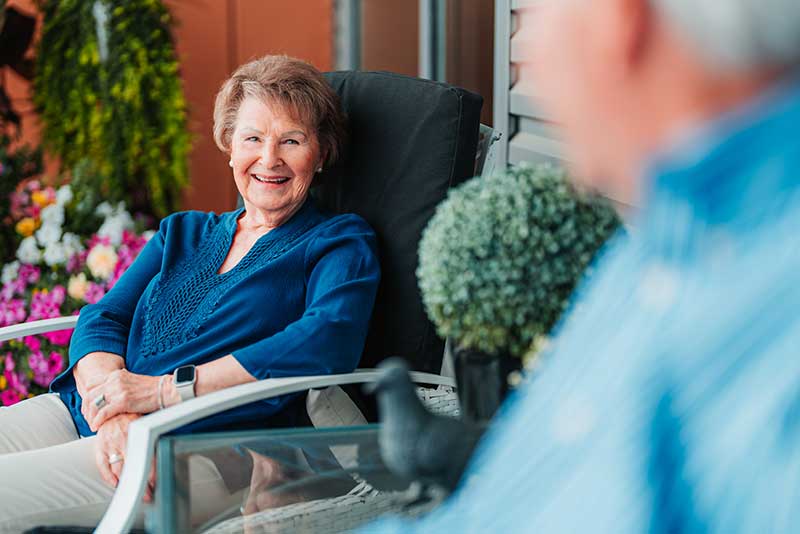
{"points": [[482, 381]]}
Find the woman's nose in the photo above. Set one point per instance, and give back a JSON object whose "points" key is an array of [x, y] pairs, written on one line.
{"points": [[270, 156]]}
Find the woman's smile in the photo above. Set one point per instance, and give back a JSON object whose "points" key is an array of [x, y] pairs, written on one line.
{"points": [[270, 179]]}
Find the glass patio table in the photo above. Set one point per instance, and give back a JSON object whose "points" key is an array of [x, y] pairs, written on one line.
{"points": [[281, 480]]}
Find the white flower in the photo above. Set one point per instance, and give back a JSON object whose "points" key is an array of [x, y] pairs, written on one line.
{"points": [[72, 244], [101, 261], [63, 195], [55, 254], [104, 209], [53, 214], [28, 251], [48, 234], [148, 234], [10, 271], [77, 286], [114, 225]]}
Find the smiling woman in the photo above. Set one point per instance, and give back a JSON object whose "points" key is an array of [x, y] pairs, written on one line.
{"points": [[274, 289]]}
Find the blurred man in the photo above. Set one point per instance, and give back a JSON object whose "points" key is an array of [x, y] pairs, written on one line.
{"points": [[670, 399]]}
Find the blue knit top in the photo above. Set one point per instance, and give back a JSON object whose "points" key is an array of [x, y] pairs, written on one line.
{"points": [[299, 303]]}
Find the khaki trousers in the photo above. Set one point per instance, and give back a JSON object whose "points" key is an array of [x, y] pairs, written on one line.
{"points": [[48, 475]]}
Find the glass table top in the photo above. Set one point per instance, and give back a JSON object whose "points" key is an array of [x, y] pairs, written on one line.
{"points": [[280, 480]]}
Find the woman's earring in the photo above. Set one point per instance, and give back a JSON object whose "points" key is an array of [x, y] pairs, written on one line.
{"points": [[230, 164], [319, 169]]}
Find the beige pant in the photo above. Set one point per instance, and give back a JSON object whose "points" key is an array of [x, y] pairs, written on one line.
{"points": [[48, 475]]}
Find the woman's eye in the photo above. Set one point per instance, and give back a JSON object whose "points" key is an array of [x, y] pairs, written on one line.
{"points": [[291, 141], [252, 138]]}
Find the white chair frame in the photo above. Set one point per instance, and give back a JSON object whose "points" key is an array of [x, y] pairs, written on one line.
{"points": [[145, 432]]}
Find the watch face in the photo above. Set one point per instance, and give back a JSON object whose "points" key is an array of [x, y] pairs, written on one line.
{"points": [[184, 374]]}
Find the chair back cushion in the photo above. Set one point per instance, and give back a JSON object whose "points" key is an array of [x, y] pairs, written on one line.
{"points": [[410, 141]]}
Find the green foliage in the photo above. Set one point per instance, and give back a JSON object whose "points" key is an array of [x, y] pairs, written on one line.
{"points": [[501, 256], [126, 112], [15, 167]]}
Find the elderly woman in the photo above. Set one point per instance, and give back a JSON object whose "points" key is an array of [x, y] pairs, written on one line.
{"points": [[273, 289]]}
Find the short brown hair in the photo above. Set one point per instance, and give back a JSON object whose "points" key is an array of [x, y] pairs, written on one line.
{"points": [[292, 83]]}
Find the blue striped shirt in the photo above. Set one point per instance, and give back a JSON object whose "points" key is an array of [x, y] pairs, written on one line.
{"points": [[669, 401]]}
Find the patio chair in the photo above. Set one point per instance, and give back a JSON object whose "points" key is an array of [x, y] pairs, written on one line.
{"points": [[411, 141]]}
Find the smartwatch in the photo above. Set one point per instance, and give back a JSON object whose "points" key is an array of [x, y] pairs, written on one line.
{"points": [[185, 378]]}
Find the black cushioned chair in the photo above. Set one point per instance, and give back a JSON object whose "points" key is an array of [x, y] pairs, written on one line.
{"points": [[411, 141]]}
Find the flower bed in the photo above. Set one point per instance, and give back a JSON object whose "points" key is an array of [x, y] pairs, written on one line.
{"points": [[55, 273]]}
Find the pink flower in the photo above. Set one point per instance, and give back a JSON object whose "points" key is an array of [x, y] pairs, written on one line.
{"points": [[94, 293], [9, 397], [11, 288], [12, 312], [76, 262], [57, 294], [9, 364], [55, 363], [38, 366], [33, 343], [98, 240], [45, 369], [30, 273], [17, 382], [59, 337]]}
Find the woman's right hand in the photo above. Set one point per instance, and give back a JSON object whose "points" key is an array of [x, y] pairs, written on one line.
{"points": [[91, 371]]}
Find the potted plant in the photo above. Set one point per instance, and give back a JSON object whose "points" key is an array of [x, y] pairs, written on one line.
{"points": [[497, 264]]}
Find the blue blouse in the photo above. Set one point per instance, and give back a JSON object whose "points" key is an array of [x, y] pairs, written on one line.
{"points": [[670, 398], [298, 303]]}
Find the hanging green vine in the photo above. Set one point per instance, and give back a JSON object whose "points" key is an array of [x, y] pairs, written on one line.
{"points": [[108, 90]]}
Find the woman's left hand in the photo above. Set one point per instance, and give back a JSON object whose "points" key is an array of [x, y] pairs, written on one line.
{"points": [[121, 392], [112, 440]]}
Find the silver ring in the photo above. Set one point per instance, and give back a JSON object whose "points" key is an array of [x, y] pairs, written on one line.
{"points": [[99, 401], [114, 458]]}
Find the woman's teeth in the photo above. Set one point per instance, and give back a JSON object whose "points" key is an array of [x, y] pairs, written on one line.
{"points": [[265, 180]]}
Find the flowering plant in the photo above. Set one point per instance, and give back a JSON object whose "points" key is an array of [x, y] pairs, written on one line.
{"points": [[55, 273]]}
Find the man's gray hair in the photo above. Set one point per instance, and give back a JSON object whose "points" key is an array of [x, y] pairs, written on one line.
{"points": [[739, 35]]}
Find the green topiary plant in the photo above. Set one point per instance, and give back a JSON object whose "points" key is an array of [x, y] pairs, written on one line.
{"points": [[107, 89], [500, 257]]}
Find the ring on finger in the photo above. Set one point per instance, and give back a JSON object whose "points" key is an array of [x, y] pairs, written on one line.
{"points": [[114, 458], [99, 401]]}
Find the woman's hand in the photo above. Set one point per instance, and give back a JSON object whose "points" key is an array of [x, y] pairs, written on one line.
{"points": [[112, 439], [122, 392], [91, 371]]}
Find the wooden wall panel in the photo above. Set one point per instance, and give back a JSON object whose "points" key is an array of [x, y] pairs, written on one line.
{"points": [[202, 44], [390, 36]]}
